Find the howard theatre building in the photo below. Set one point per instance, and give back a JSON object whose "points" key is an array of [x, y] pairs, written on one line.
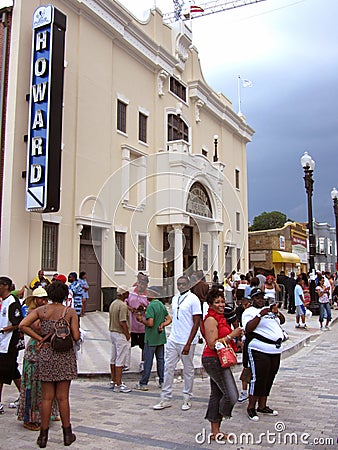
{"points": [[142, 164]]}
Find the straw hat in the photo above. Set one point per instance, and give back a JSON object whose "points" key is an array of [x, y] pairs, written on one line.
{"points": [[122, 289], [38, 292]]}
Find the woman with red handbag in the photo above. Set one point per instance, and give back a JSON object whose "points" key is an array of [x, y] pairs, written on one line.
{"points": [[224, 393]]}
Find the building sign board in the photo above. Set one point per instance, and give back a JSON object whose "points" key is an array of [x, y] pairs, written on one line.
{"points": [[282, 242], [45, 111], [198, 201], [299, 247]]}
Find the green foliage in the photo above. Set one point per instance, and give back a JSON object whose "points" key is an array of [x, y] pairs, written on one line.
{"points": [[268, 220]]}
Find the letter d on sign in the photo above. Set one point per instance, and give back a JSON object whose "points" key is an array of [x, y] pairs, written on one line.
{"points": [[200, 437], [36, 173]]}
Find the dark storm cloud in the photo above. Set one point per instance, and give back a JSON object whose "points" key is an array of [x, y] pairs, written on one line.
{"points": [[292, 107]]}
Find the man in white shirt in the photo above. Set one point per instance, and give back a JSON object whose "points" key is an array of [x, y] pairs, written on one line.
{"points": [[186, 315], [299, 304]]}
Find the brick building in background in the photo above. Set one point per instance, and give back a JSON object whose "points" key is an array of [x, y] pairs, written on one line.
{"points": [[279, 249]]}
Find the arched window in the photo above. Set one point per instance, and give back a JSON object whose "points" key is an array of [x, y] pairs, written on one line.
{"points": [[198, 201], [177, 129]]}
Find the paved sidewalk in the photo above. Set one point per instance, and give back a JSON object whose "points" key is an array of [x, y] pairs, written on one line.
{"points": [[95, 355], [304, 393]]}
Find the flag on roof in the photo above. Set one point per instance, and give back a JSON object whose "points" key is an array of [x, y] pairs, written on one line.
{"points": [[247, 83], [195, 9]]}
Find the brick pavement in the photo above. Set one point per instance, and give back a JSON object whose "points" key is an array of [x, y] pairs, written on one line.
{"points": [[305, 393]]}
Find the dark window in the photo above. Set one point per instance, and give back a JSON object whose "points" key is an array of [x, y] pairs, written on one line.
{"points": [[237, 178], [121, 116], [142, 127], [177, 88], [238, 259], [238, 221], [50, 232], [177, 129], [120, 245], [142, 253]]}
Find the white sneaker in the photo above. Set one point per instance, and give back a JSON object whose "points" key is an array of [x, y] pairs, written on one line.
{"points": [[163, 404], [244, 396], [14, 404], [123, 388], [297, 325], [327, 328], [112, 385], [186, 402], [141, 367], [2, 409]]}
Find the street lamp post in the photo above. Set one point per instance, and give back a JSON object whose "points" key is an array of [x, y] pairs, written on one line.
{"points": [[334, 196], [215, 145], [308, 165]]}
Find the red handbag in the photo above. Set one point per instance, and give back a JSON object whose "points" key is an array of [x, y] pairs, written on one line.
{"points": [[227, 356]]}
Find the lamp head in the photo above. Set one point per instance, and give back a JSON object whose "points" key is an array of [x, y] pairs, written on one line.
{"points": [[307, 162], [334, 194]]}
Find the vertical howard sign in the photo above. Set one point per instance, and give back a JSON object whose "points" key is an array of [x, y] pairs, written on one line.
{"points": [[45, 110]]}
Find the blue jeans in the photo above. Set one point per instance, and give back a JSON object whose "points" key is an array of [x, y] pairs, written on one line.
{"points": [[224, 393], [322, 308], [148, 354]]}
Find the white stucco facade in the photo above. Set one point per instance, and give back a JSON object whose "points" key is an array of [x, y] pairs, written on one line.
{"points": [[166, 187]]}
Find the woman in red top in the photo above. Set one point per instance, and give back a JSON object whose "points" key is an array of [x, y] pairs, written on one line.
{"points": [[224, 393]]}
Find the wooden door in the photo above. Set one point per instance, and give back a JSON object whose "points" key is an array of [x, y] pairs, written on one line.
{"points": [[90, 257]]}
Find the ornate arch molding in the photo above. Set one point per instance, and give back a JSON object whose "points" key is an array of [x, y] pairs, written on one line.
{"points": [[198, 201]]}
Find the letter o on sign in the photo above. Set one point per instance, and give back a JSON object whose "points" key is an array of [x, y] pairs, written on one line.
{"points": [[40, 67]]}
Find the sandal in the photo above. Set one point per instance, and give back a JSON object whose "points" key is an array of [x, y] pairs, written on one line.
{"points": [[32, 426], [55, 418]]}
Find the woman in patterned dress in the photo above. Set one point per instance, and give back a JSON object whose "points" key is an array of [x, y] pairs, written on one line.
{"points": [[30, 391], [55, 369]]}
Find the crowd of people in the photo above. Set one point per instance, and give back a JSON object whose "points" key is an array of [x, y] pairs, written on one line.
{"points": [[243, 312], [46, 375]]}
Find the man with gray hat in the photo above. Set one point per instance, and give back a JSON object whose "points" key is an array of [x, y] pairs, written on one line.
{"points": [[119, 328]]}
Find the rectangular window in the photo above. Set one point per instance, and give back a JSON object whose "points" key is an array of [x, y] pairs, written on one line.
{"points": [[177, 88], [142, 253], [177, 129], [120, 248], [238, 221], [121, 116], [238, 259], [142, 127], [321, 242], [50, 234], [205, 257], [237, 178]]}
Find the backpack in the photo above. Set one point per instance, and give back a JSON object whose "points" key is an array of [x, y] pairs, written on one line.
{"points": [[61, 340]]}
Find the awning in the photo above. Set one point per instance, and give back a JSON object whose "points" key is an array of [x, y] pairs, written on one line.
{"points": [[284, 257]]}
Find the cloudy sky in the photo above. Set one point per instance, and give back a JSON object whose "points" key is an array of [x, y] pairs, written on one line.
{"points": [[289, 50]]}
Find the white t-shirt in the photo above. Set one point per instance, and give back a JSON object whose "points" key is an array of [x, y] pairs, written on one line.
{"points": [[183, 308], [298, 293], [268, 326]]}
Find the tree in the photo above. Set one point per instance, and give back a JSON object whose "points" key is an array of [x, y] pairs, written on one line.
{"points": [[268, 220]]}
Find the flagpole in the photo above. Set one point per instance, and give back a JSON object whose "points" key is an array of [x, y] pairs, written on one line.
{"points": [[239, 94], [190, 18]]}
